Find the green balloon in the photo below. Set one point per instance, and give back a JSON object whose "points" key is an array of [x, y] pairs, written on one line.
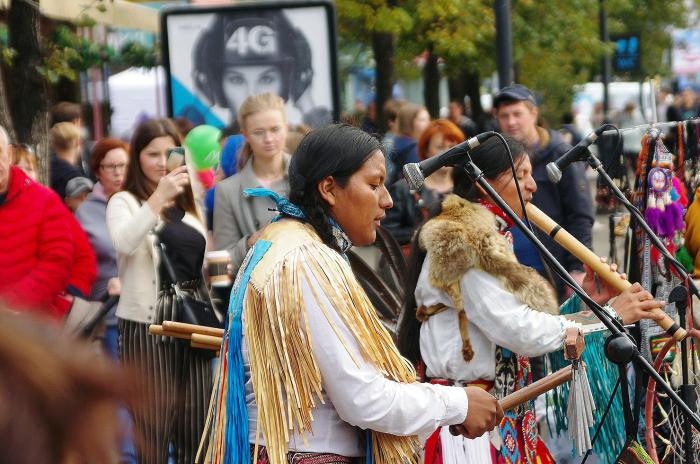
{"points": [[203, 144]]}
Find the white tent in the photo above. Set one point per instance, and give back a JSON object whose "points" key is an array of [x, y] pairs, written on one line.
{"points": [[136, 94]]}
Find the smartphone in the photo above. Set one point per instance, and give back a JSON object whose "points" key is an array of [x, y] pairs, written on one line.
{"points": [[176, 158]]}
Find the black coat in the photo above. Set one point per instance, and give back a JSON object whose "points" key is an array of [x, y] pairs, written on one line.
{"points": [[568, 203]]}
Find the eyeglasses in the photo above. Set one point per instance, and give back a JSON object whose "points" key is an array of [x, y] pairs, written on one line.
{"points": [[114, 167]]}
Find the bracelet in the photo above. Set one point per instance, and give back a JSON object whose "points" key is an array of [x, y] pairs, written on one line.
{"points": [[613, 314]]}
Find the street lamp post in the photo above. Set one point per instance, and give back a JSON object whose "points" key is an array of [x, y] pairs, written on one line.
{"points": [[504, 42], [606, 64]]}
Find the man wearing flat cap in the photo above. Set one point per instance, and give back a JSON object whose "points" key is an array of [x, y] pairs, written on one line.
{"points": [[568, 202]]}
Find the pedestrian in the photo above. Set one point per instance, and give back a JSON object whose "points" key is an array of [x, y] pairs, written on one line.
{"points": [[568, 202], [411, 208], [36, 249], [390, 113], [238, 218], [412, 121], [71, 112], [25, 159], [77, 190], [631, 140], [685, 106], [157, 206], [110, 158], [65, 156], [456, 115], [109, 162]]}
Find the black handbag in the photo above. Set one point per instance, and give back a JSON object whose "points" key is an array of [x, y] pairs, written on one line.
{"points": [[190, 309]]}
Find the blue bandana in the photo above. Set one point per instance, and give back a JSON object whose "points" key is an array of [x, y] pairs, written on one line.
{"points": [[286, 208]]}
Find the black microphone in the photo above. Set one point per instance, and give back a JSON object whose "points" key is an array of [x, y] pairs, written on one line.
{"points": [[415, 173], [578, 153]]}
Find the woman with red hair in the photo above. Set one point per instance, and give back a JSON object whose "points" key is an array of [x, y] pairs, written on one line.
{"points": [[109, 160], [410, 208]]}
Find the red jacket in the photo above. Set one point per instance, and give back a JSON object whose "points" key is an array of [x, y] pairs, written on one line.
{"points": [[36, 247]]}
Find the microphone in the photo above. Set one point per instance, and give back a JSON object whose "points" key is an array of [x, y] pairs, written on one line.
{"points": [[415, 173], [578, 153]]}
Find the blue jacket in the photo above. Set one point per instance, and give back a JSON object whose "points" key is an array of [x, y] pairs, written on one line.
{"points": [[568, 203]]}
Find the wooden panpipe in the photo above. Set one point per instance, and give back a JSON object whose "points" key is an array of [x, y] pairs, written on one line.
{"points": [[204, 337], [578, 249]]}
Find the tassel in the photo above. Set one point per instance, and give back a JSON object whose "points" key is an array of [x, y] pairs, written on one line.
{"points": [[580, 409], [612, 435], [651, 202], [675, 212], [660, 205], [653, 217], [581, 405]]}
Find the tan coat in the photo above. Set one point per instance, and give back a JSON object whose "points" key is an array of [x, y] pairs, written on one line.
{"points": [[237, 216]]}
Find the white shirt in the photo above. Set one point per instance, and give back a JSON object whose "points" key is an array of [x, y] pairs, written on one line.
{"points": [[495, 317], [359, 396]]}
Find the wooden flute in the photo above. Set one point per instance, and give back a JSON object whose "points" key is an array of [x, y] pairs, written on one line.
{"points": [[530, 392], [578, 249]]}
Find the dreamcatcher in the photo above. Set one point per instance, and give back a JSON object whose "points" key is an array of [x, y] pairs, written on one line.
{"points": [[661, 192], [665, 434]]}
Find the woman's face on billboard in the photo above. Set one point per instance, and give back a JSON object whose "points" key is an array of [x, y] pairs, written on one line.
{"points": [[240, 82]]}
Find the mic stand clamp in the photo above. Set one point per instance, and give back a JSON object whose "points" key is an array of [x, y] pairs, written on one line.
{"points": [[622, 350]]}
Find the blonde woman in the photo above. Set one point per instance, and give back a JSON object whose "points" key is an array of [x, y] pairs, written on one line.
{"points": [[238, 219], [157, 205], [412, 120]]}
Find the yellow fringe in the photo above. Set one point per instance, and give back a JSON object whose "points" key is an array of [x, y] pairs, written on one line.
{"points": [[286, 377]]}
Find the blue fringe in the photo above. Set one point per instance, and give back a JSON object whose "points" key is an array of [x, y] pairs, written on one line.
{"points": [[602, 376], [237, 445]]}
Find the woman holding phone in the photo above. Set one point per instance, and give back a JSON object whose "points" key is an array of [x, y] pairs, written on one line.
{"points": [[157, 206]]}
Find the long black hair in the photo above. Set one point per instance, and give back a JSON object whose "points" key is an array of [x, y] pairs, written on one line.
{"points": [[493, 160], [337, 150]]}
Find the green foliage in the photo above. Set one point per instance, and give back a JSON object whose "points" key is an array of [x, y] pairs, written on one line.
{"points": [[139, 55], [80, 53], [358, 18], [66, 54], [556, 44]]}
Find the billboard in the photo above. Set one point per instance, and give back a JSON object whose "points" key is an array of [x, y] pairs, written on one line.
{"points": [[215, 57], [686, 52]]}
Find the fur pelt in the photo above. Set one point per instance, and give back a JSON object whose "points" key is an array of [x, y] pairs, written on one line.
{"points": [[465, 236]]}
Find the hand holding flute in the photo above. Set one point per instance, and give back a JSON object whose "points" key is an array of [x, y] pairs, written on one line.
{"points": [[633, 303]]}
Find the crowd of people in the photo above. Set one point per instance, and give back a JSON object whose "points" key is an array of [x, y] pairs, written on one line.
{"points": [[118, 219]]}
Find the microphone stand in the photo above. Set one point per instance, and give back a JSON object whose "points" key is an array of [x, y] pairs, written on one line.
{"points": [[620, 347], [680, 297], [595, 163]]}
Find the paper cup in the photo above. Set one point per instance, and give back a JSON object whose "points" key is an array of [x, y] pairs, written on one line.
{"points": [[217, 262]]}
